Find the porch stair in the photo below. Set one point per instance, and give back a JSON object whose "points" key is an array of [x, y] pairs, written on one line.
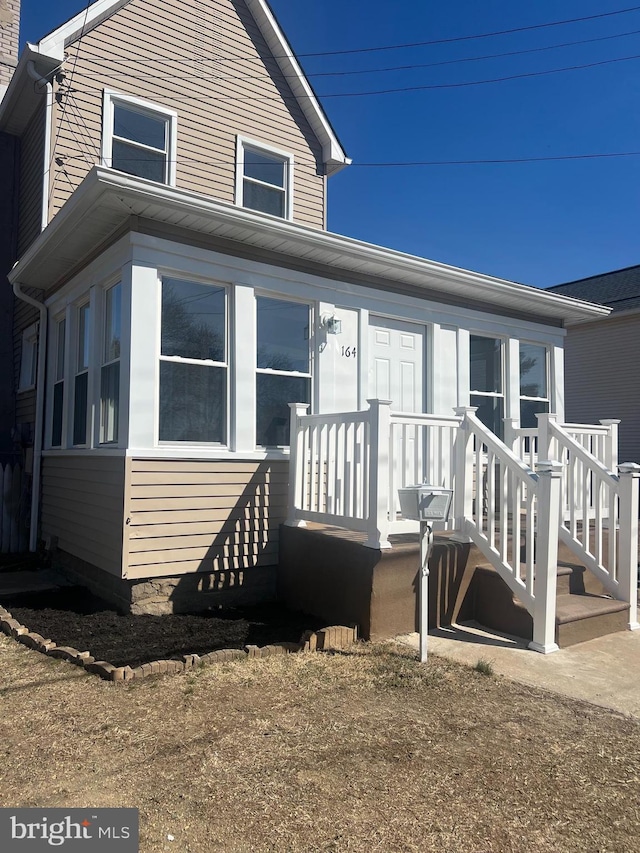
{"points": [[329, 572]]}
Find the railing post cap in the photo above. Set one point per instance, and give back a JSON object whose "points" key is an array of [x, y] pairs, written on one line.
{"points": [[299, 406], [551, 416], [375, 400], [629, 468], [465, 410], [610, 421], [548, 466]]}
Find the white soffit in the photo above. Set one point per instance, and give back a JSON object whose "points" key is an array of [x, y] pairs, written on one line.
{"points": [[106, 200]]}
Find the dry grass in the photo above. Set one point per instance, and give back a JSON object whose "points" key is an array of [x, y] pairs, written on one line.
{"points": [[359, 751]]}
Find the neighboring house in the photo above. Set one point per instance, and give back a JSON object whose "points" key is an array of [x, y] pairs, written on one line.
{"points": [[176, 290], [601, 379]]}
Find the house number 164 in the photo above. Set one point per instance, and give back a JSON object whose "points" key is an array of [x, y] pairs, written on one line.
{"points": [[349, 352]]}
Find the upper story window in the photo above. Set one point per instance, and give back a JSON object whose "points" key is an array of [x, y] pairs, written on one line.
{"points": [[193, 362], [264, 179], [487, 382], [534, 385], [139, 138]]}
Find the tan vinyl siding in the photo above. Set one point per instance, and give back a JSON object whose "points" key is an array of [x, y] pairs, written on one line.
{"points": [[601, 379], [82, 506], [189, 516], [31, 178], [23, 317], [147, 49]]}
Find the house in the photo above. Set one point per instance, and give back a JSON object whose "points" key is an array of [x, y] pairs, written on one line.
{"points": [[176, 290], [600, 378]]}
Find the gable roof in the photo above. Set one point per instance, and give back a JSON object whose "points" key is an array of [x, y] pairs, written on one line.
{"points": [[620, 289], [51, 48]]}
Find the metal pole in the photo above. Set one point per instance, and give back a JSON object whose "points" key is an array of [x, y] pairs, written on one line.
{"points": [[426, 543]]}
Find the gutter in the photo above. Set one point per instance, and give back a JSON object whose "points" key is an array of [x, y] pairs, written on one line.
{"points": [[48, 86], [38, 429]]}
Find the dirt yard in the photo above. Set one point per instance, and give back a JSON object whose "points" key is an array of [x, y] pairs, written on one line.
{"points": [[363, 750], [74, 617]]}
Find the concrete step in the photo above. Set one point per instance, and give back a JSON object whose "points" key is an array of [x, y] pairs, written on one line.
{"points": [[583, 617]]}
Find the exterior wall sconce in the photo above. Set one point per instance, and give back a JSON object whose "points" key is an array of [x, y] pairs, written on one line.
{"points": [[331, 324]]}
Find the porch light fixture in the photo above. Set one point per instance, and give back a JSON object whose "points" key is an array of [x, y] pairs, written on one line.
{"points": [[331, 324]]}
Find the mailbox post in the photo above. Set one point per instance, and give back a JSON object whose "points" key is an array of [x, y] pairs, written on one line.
{"points": [[426, 504]]}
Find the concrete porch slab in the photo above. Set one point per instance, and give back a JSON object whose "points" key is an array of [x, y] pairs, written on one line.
{"points": [[604, 671]]}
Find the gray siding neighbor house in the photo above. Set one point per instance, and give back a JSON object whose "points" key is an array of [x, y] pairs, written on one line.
{"points": [[602, 379]]}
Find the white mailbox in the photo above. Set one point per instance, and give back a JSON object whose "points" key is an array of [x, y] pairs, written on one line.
{"points": [[425, 503]]}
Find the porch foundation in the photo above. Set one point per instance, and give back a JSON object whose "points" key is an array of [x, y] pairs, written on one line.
{"points": [[329, 573], [158, 596]]}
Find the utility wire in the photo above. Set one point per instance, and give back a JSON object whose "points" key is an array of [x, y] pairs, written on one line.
{"points": [[413, 67]]}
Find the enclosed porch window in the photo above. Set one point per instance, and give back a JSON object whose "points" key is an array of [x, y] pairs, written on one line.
{"points": [[487, 382], [534, 385], [193, 362]]}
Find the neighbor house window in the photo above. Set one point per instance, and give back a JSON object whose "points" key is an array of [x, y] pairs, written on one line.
{"points": [[29, 359], [264, 179], [110, 371], [487, 380], [81, 383], [534, 395], [57, 419], [283, 366], [193, 362], [139, 138]]}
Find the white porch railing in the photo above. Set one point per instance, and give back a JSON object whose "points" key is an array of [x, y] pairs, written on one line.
{"points": [[346, 470]]}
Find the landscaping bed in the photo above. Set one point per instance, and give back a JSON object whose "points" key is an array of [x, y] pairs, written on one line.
{"points": [[75, 618]]}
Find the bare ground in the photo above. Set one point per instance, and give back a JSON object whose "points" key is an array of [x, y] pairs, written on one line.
{"points": [[358, 751]]}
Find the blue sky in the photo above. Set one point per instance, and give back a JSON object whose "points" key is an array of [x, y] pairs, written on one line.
{"points": [[538, 223]]}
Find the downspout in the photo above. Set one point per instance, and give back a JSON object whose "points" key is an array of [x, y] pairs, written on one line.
{"points": [[41, 308], [48, 121], [38, 428]]}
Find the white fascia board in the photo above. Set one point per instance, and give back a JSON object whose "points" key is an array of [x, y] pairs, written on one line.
{"points": [[80, 24], [335, 249], [332, 152], [20, 96]]}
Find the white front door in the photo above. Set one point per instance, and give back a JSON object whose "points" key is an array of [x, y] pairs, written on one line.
{"points": [[396, 359], [396, 373]]}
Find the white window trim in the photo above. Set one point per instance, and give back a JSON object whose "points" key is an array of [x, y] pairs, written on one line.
{"points": [[28, 359], [206, 362], [243, 142], [110, 97]]}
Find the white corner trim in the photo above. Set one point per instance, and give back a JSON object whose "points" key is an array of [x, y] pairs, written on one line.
{"points": [[243, 142]]}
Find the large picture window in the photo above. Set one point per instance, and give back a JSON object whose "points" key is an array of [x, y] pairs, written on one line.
{"points": [[110, 371], [139, 138], [487, 380], [283, 367], [264, 179], [534, 395], [81, 384], [193, 362]]}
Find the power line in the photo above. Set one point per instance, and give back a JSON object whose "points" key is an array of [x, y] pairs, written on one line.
{"points": [[415, 66]]}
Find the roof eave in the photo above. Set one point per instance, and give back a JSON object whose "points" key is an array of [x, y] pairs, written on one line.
{"points": [[21, 97], [107, 198]]}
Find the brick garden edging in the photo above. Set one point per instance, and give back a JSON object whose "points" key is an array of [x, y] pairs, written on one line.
{"points": [[325, 639]]}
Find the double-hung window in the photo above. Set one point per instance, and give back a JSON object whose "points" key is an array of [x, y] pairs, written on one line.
{"points": [[264, 179], [139, 138], [110, 370], [534, 385], [81, 383], [29, 358], [283, 366], [487, 381], [193, 362], [57, 419]]}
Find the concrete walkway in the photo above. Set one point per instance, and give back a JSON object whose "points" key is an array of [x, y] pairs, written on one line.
{"points": [[604, 671]]}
